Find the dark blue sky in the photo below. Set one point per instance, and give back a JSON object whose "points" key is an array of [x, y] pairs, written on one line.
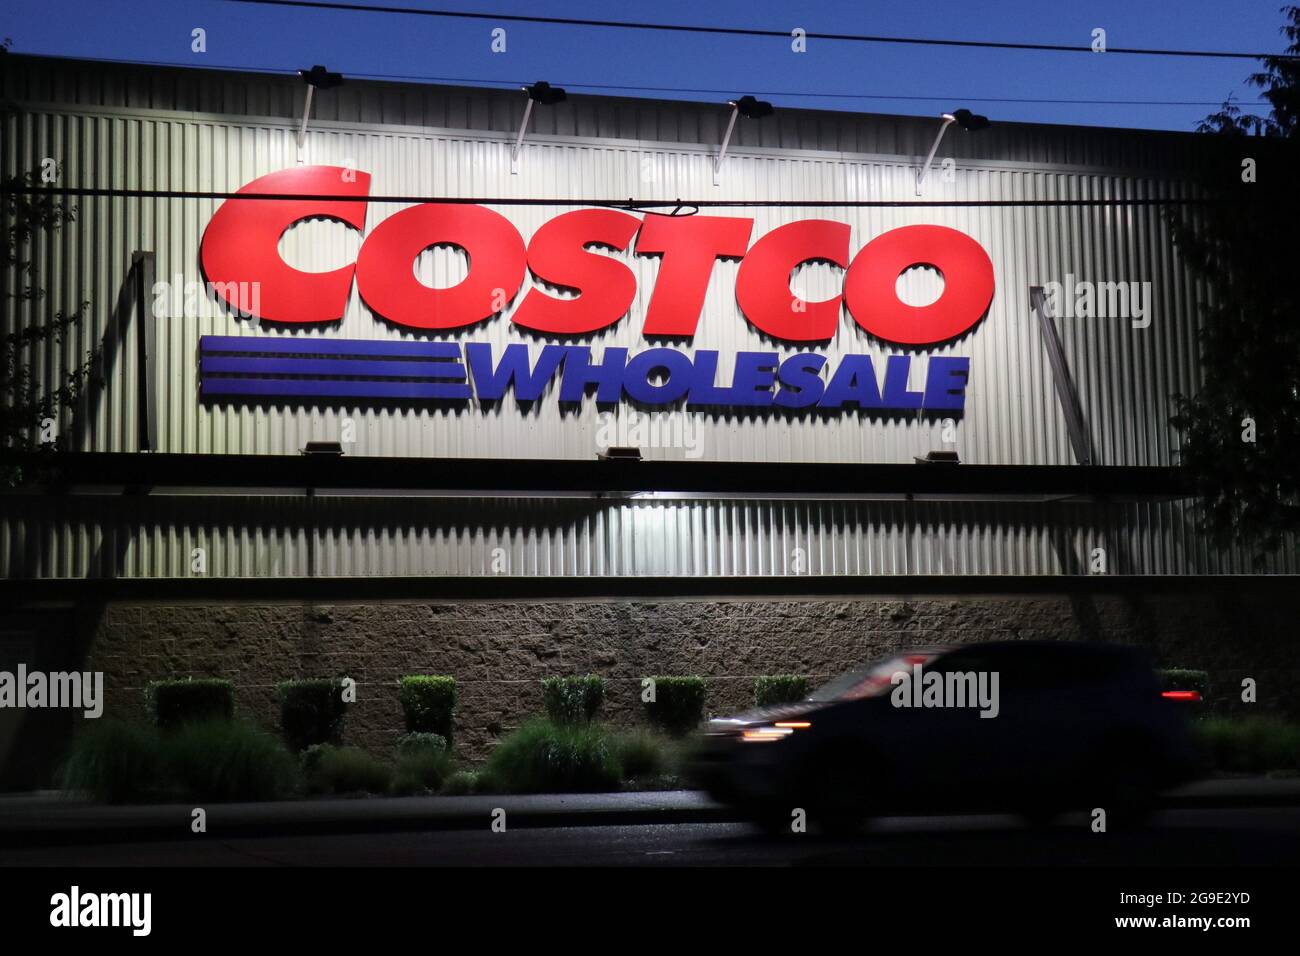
{"points": [[872, 77]]}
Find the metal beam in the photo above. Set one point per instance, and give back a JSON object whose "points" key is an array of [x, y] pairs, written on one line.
{"points": [[144, 266], [161, 472], [1065, 390], [50, 593]]}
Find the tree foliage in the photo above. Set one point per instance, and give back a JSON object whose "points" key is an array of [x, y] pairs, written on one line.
{"points": [[1241, 430], [29, 399]]}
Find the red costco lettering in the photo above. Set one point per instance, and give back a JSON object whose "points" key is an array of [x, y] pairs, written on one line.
{"points": [[242, 244], [871, 290], [763, 283], [386, 266], [689, 246], [558, 255]]}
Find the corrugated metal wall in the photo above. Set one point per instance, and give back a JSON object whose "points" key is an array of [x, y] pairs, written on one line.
{"points": [[186, 130], [1125, 375], [29, 80], [132, 537]]}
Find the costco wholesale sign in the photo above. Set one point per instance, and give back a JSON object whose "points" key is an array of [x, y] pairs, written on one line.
{"points": [[241, 260]]}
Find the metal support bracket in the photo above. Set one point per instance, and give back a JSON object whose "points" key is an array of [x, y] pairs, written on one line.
{"points": [[143, 265], [1065, 390], [925, 168], [302, 129], [726, 141], [519, 140]]}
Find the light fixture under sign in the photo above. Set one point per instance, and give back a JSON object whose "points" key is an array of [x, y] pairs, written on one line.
{"points": [[748, 107], [970, 122], [939, 458], [620, 453], [317, 78], [540, 92]]}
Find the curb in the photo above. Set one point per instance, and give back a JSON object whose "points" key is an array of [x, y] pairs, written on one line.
{"points": [[307, 826], [100, 825]]}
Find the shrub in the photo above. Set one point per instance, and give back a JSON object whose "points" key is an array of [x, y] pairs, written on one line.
{"points": [[779, 689], [311, 711], [1250, 744], [545, 757], [678, 704], [461, 783], [227, 760], [114, 761], [640, 753], [571, 700], [421, 771], [340, 770], [429, 703], [418, 743], [423, 763], [175, 702], [309, 761], [485, 782]]}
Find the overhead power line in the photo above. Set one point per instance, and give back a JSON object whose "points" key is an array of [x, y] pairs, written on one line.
{"points": [[629, 203], [962, 98], [514, 84], [752, 31]]}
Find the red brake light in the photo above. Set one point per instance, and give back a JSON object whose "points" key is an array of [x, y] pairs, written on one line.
{"points": [[1193, 695]]}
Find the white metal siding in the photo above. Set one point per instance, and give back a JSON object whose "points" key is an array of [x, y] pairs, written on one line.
{"points": [[1125, 375], [276, 537], [195, 131]]}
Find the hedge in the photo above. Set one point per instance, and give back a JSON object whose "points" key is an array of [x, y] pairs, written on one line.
{"points": [[172, 703], [573, 700], [429, 703], [311, 711], [677, 705], [779, 689]]}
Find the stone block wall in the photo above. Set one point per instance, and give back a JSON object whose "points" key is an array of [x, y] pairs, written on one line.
{"points": [[499, 650]]}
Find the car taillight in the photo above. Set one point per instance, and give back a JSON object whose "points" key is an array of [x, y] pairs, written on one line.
{"points": [[1191, 695]]}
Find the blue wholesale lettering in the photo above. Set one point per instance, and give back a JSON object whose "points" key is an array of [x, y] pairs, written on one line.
{"points": [[441, 371]]}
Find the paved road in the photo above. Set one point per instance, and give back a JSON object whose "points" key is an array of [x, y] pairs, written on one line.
{"points": [[1175, 837]]}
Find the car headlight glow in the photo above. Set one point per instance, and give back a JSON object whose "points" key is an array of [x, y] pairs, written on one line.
{"points": [[777, 731]]}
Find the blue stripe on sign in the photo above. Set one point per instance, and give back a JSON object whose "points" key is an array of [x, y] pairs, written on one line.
{"points": [[266, 365], [317, 346], [333, 387]]}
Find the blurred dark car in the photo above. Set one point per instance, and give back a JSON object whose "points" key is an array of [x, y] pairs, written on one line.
{"points": [[1074, 726]]}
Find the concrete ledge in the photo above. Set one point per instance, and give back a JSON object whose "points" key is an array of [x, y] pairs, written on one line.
{"points": [[34, 593]]}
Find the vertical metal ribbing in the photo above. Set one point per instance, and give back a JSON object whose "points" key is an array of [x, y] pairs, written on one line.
{"points": [[165, 134]]}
